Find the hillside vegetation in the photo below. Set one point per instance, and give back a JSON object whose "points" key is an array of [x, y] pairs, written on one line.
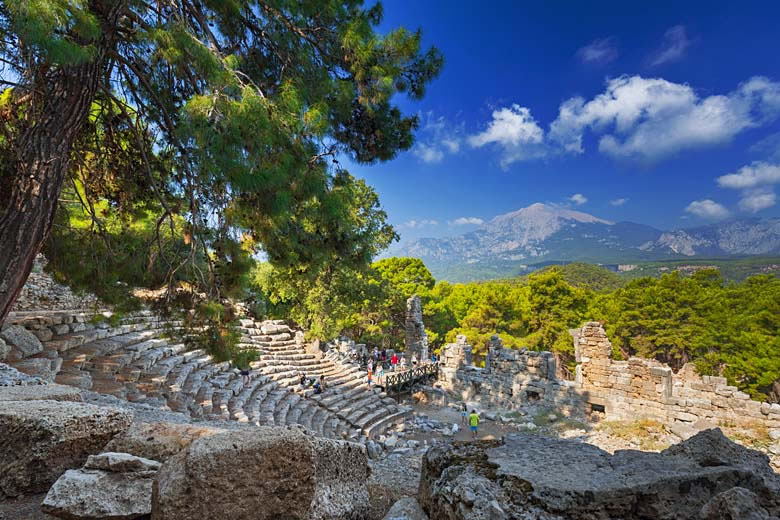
{"points": [[728, 328]]}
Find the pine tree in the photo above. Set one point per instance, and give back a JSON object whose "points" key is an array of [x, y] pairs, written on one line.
{"points": [[247, 103]]}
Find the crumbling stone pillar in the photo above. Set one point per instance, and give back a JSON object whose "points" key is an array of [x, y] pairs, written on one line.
{"points": [[463, 344], [416, 337], [494, 350]]}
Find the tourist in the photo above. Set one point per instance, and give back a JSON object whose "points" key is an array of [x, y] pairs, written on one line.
{"points": [[369, 376], [370, 364], [319, 386], [303, 380], [414, 360], [393, 361], [433, 357], [474, 423], [384, 355], [245, 377], [380, 374], [463, 413], [402, 365]]}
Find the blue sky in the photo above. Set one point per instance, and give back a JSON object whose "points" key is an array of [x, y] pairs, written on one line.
{"points": [[664, 113]]}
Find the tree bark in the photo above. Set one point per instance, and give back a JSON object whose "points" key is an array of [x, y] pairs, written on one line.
{"points": [[60, 103]]}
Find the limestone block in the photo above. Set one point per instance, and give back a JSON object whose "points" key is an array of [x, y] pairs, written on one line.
{"points": [[39, 393], [22, 340], [39, 440], [263, 473]]}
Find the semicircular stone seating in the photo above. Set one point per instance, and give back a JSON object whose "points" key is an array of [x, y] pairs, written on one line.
{"points": [[144, 358]]}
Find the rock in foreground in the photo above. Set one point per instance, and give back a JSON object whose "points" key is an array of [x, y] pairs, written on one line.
{"points": [[527, 476], [110, 486], [40, 440], [263, 473]]}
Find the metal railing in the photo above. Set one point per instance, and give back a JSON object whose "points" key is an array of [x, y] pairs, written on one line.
{"points": [[402, 381]]}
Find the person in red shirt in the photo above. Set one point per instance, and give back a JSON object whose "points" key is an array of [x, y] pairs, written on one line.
{"points": [[394, 361]]}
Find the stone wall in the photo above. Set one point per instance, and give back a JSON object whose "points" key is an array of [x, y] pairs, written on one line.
{"points": [[511, 377], [647, 388], [636, 388], [416, 340]]}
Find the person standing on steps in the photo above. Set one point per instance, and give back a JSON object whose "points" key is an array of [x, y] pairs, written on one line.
{"points": [[393, 361], [474, 423], [369, 376], [380, 374], [463, 413], [245, 377]]}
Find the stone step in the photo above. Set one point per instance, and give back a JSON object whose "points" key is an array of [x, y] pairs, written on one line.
{"points": [[376, 428]]}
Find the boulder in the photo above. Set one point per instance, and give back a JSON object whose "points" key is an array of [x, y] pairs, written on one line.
{"points": [[263, 473], [511, 478], [406, 508], [21, 340], [374, 450], [158, 441], [40, 393], [40, 440], [735, 504], [110, 486]]}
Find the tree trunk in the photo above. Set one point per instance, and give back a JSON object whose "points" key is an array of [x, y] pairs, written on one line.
{"points": [[61, 99]]}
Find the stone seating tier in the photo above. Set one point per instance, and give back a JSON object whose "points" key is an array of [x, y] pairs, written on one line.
{"points": [[143, 358]]}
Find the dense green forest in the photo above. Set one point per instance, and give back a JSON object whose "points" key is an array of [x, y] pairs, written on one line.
{"points": [[729, 328]]}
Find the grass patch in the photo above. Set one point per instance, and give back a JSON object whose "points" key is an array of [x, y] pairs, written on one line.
{"points": [[753, 434], [644, 432]]}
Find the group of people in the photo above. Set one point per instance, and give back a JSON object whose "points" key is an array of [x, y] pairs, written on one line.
{"points": [[318, 385]]}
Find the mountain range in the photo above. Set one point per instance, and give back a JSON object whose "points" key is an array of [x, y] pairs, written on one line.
{"points": [[543, 233]]}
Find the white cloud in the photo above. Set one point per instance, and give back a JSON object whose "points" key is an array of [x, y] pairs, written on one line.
{"points": [[515, 131], [708, 209], [756, 181], [464, 221], [768, 147], [599, 51], [756, 200], [673, 48], [618, 202], [420, 223], [428, 154], [579, 199], [758, 173], [650, 118], [436, 139]]}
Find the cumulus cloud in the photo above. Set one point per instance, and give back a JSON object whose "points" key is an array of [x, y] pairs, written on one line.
{"points": [[464, 221], [673, 48], [437, 138], [618, 202], [599, 52], [756, 174], [756, 182], [650, 118], [515, 132], [420, 223], [708, 209], [756, 200], [579, 199]]}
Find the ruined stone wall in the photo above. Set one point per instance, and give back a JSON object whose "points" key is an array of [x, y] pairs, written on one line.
{"points": [[416, 340], [636, 388], [647, 388], [511, 377]]}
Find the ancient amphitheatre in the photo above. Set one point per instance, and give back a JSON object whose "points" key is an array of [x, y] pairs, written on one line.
{"points": [[324, 260], [181, 435]]}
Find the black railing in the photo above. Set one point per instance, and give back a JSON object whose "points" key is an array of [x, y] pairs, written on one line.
{"points": [[402, 381]]}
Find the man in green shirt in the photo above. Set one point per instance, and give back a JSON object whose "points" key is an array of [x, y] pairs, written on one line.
{"points": [[474, 423]]}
